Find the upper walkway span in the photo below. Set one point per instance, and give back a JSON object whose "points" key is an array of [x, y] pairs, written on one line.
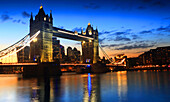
{"points": [[71, 35]]}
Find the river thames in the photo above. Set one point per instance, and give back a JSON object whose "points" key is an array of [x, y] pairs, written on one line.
{"points": [[143, 86]]}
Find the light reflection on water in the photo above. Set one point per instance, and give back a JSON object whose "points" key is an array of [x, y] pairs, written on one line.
{"points": [[110, 87]]}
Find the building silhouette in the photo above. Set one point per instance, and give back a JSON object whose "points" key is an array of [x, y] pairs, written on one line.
{"points": [[58, 50], [159, 56], [90, 49], [42, 48], [73, 55]]}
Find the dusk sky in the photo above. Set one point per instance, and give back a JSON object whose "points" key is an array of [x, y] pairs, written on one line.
{"points": [[125, 26]]}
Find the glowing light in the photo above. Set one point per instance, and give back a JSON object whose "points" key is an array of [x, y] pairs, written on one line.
{"points": [[88, 65], [89, 23], [41, 7], [90, 33], [35, 40], [90, 40], [44, 18], [83, 42]]}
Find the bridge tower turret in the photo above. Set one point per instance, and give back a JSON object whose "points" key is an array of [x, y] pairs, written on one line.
{"points": [[90, 51], [41, 48]]}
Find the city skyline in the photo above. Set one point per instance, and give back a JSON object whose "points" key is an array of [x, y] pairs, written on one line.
{"points": [[131, 30]]}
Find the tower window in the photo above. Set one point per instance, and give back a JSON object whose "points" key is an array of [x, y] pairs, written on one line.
{"points": [[44, 18], [49, 20], [90, 32]]}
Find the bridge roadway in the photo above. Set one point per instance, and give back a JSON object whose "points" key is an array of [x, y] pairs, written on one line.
{"points": [[35, 64]]}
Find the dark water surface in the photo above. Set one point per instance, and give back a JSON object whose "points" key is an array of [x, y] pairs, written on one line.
{"points": [[148, 86]]}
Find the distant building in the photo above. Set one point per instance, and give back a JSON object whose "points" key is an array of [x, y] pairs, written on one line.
{"points": [[76, 55], [73, 55], [58, 50], [69, 52], [159, 56], [62, 53], [23, 55], [131, 62]]}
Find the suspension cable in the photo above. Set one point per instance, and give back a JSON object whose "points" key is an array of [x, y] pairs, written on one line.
{"points": [[22, 44], [105, 54]]}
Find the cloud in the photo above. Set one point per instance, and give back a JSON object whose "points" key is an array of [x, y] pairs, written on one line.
{"points": [[106, 32], [141, 8], [23, 22], [167, 18], [158, 3], [136, 46], [17, 21], [126, 32], [25, 14], [101, 40], [112, 45], [167, 29], [120, 38], [146, 32], [91, 6], [134, 37], [5, 17], [161, 29], [78, 29], [120, 33], [115, 54]]}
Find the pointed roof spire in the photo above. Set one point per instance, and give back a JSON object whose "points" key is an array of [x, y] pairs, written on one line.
{"points": [[50, 13], [89, 23], [41, 11], [41, 6], [31, 17]]}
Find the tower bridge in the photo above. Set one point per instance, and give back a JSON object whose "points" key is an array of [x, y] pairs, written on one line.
{"points": [[42, 48], [40, 41]]}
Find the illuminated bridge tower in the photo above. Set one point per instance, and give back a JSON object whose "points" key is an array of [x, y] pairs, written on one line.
{"points": [[90, 50], [41, 48]]}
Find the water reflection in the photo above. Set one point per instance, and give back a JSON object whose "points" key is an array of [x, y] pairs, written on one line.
{"points": [[122, 84], [8, 89], [91, 88], [110, 87]]}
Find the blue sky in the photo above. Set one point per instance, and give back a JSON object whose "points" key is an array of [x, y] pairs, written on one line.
{"points": [[125, 26]]}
